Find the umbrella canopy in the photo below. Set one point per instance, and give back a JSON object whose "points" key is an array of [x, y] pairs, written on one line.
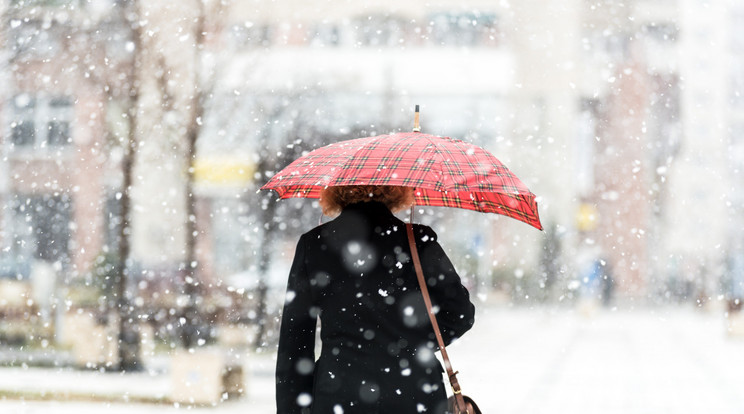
{"points": [[445, 172]]}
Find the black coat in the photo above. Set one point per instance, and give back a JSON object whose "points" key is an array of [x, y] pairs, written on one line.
{"points": [[377, 355]]}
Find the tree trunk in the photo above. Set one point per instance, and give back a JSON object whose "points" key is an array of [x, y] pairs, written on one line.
{"points": [[194, 327], [128, 335], [268, 205]]}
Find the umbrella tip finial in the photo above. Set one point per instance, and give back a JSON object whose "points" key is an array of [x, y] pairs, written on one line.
{"points": [[416, 127]]}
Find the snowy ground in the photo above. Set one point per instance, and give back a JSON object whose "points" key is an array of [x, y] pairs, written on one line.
{"points": [[659, 360]]}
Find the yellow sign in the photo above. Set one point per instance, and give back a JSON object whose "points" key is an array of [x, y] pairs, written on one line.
{"points": [[228, 171], [587, 217]]}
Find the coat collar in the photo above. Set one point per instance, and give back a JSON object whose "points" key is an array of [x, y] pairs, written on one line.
{"points": [[371, 208]]}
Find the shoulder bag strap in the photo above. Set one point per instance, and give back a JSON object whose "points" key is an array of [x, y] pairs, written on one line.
{"points": [[451, 373]]}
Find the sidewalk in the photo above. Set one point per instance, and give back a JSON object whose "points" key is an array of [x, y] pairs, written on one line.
{"points": [[645, 361], [514, 361], [66, 390]]}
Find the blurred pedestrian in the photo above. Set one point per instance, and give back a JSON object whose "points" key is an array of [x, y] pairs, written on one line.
{"points": [[607, 281], [356, 275]]}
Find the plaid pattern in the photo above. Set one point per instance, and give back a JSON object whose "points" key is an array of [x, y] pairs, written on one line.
{"points": [[445, 172]]}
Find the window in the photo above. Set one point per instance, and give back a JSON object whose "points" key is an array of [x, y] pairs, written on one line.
{"points": [[33, 40], [379, 31], [464, 29], [661, 32], [40, 227], [48, 3], [664, 126], [118, 40], [606, 45], [736, 34], [41, 123], [112, 220], [586, 134], [736, 151], [251, 35], [326, 35], [229, 233], [23, 130], [736, 90]]}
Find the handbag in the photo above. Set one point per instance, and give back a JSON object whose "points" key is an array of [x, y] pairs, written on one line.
{"points": [[470, 406], [457, 403]]}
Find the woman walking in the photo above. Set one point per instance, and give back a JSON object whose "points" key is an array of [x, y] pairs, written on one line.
{"points": [[355, 274]]}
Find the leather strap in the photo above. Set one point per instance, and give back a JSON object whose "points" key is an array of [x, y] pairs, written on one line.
{"points": [[451, 373]]}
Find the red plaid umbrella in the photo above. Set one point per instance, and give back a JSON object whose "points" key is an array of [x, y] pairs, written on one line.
{"points": [[444, 171]]}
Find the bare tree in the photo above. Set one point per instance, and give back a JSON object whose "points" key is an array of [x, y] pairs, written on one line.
{"points": [[194, 326], [290, 129], [128, 335], [193, 329], [270, 162], [88, 45]]}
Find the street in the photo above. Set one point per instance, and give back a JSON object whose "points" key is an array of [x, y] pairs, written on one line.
{"points": [[515, 360]]}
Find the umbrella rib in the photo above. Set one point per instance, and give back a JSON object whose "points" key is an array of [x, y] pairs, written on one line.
{"points": [[440, 164], [530, 202]]}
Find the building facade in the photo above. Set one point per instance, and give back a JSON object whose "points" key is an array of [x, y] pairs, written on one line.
{"points": [[57, 170], [605, 111]]}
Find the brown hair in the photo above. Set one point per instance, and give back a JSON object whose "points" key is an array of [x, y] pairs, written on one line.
{"points": [[334, 199]]}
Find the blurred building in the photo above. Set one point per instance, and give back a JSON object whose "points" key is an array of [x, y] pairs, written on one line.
{"points": [[59, 177], [69, 68], [626, 119], [636, 131], [598, 106], [666, 180], [305, 74], [705, 222]]}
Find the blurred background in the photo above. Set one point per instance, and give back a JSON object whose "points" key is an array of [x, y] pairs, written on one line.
{"points": [[136, 133]]}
